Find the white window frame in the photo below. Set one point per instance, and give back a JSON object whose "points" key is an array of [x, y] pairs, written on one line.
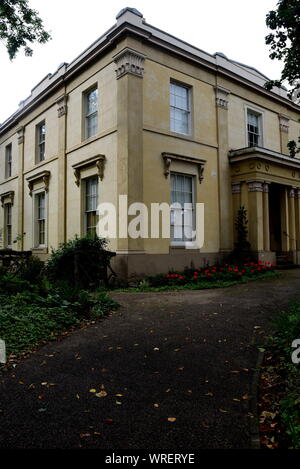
{"points": [[184, 243], [40, 144], [87, 115], [260, 113], [36, 232], [6, 224], [86, 181], [8, 161], [188, 110]]}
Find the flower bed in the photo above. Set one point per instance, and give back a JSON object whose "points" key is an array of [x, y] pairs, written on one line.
{"points": [[228, 272]]}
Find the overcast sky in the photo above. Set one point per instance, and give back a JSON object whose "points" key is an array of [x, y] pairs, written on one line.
{"points": [[235, 27]]}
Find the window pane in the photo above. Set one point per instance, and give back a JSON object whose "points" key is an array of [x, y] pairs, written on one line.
{"points": [[8, 161], [253, 125], [41, 141], [182, 218], [40, 219], [91, 217], [8, 224], [179, 108], [92, 101], [91, 194]]}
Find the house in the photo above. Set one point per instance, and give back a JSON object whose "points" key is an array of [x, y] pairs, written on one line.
{"points": [[145, 115]]}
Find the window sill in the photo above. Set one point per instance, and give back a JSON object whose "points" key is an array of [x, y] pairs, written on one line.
{"points": [[39, 250]]}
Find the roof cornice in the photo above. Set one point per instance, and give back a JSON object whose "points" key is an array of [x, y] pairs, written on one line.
{"points": [[130, 23]]}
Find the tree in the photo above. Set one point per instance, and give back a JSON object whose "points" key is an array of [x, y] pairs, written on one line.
{"points": [[241, 223], [20, 26], [284, 44]]}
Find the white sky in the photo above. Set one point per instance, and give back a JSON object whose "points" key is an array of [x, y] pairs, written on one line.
{"points": [[235, 27]]}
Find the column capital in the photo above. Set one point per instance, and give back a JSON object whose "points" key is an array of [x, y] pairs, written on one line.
{"points": [[129, 61], [21, 134], [266, 186], [222, 95], [236, 187], [255, 186], [283, 123], [62, 107], [291, 192]]}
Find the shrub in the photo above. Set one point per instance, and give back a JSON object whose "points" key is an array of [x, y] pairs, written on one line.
{"points": [[31, 270], [80, 262]]}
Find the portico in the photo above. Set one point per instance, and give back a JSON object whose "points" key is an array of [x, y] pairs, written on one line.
{"points": [[267, 184]]}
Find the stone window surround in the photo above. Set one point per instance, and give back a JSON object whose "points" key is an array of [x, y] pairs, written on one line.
{"points": [[7, 198], [169, 157], [98, 161], [42, 176], [261, 113]]}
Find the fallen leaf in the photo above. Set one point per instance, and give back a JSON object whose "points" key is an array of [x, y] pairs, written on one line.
{"points": [[245, 397], [84, 435], [156, 348], [119, 395], [156, 405], [93, 390], [224, 411], [171, 419], [108, 420], [209, 394], [101, 394], [118, 403]]}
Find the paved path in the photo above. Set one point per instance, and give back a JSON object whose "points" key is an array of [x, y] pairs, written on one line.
{"points": [[183, 355]]}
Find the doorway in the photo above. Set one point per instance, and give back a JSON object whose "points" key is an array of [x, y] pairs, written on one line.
{"points": [[275, 196]]}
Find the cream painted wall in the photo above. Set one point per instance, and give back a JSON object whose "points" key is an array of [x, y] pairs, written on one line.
{"points": [[237, 124], [157, 102], [294, 131], [107, 110], [13, 140], [157, 188], [107, 187], [51, 145]]}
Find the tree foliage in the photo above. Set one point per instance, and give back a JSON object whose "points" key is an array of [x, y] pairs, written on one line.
{"points": [[20, 26], [284, 42]]}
